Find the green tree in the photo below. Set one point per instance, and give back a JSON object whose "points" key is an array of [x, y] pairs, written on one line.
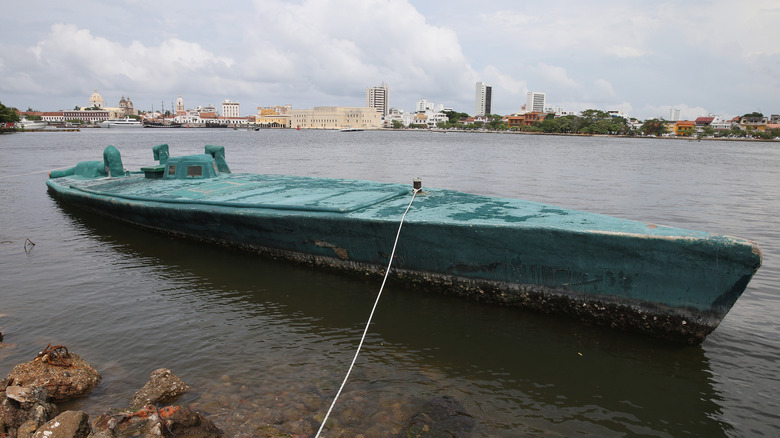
{"points": [[454, 116], [496, 123], [8, 115], [397, 124], [654, 127]]}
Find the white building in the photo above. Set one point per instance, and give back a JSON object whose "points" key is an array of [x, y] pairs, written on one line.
{"points": [[424, 105], [484, 99], [535, 102], [230, 109], [379, 98]]}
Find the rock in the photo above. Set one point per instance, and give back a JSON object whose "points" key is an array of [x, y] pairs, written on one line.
{"points": [[74, 377], [440, 417], [27, 429], [163, 387], [69, 424], [151, 422], [24, 417], [22, 394]]}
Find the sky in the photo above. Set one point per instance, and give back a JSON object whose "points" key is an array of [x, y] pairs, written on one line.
{"points": [[640, 57]]}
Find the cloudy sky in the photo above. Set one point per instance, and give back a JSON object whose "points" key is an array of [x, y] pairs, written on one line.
{"points": [[641, 57]]}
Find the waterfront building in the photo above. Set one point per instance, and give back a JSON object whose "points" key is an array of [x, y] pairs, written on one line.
{"points": [[205, 109], [336, 117], [424, 105], [379, 98], [484, 99], [55, 116], [618, 113], [96, 100], [91, 116], [273, 116], [180, 105], [535, 101], [520, 121], [126, 106], [753, 123], [230, 109], [683, 128]]}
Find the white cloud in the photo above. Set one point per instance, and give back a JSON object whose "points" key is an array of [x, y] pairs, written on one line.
{"points": [[326, 52], [625, 51], [557, 75], [604, 87]]}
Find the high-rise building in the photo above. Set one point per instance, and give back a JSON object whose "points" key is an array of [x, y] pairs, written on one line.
{"points": [[535, 102], [484, 99], [230, 109], [379, 98]]}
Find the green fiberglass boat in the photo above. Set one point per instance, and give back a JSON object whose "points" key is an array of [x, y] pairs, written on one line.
{"points": [[668, 282]]}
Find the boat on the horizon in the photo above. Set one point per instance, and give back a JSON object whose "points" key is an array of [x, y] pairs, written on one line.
{"points": [[160, 124], [667, 282], [127, 122], [31, 125]]}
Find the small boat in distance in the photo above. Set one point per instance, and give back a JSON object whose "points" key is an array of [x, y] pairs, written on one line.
{"points": [[160, 124], [350, 129], [31, 125], [127, 122], [668, 282]]}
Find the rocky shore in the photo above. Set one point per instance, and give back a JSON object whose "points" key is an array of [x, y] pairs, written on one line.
{"points": [[31, 391], [28, 397]]}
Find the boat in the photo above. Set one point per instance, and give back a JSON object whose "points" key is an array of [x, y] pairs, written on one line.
{"points": [[350, 129], [160, 124], [31, 125], [127, 122], [667, 282]]}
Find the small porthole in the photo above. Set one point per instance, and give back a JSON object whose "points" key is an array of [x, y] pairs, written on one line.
{"points": [[172, 170]]}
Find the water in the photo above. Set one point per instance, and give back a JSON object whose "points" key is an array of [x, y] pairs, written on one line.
{"points": [[264, 342]]}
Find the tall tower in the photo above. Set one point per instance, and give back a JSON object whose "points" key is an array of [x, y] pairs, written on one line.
{"points": [[180, 105], [535, 102], [379, 98], [484, 99]]}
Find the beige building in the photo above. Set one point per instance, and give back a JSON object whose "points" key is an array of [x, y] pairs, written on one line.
{"points": [[336, 117], [273, 116]]}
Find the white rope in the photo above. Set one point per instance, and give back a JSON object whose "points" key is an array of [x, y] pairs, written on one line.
{"points": [[33, 173], [371, 316]]}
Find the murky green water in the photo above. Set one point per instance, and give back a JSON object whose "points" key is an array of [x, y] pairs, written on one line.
{"points": [[264, 342]]}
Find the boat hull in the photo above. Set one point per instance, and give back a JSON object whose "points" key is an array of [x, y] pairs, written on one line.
{"points": [[670, 283]]}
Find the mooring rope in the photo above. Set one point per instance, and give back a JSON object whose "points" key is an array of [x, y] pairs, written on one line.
{"points": [[371, 316], [33, 173]]}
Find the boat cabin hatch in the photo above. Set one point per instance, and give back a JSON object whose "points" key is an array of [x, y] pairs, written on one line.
{"points": [[191, 167], [200, 166]]}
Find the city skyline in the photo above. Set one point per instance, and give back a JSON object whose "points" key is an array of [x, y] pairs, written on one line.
{"points": [[710, 57]]}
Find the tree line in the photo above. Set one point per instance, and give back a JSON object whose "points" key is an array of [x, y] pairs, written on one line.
{"points": [[593, 121]]}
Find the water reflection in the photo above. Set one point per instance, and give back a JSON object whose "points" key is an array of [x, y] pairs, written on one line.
{"points": [[263, 341]]}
